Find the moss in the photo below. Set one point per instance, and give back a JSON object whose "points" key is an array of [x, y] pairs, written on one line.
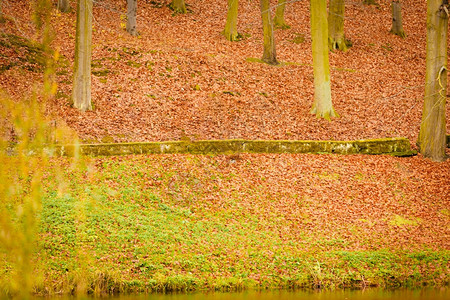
{"points": [[232, 93], [62, 72], [6, 66], [107, 139], [157, 4], [258, 60], [130, 51], [60, 95], [345, 70], [298, 39], [96, 63], [254, 60], [30, 55], [392, 146], [387, 47], [134, 64], [400, 221], [90, 141], [100, 73]]}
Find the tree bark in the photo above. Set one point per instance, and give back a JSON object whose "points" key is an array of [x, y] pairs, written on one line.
{"points": [[432, 138], [131, 17], [81, 94], [178, 6], [230, 31], [370, 2], [397, 24], [269, 55], [63, 6], [322, 105], [336, 36], [279, 20]]}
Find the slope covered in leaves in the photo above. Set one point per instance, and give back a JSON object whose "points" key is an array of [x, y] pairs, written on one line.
{"points": [[189, 222], [181, 78]]}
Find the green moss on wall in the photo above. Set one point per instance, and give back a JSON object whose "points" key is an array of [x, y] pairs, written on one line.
{"points": [[392, 146]]}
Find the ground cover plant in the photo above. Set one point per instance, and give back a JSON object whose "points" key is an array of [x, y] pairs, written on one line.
{"points": [[187, 222]]}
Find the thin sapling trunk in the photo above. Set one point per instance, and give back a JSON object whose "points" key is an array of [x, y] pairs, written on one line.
{"points": [[397, 24], [131, 17], [336, 36], [230, 32], [269, 55], [279, 20], [63, 6], [81, 93]]}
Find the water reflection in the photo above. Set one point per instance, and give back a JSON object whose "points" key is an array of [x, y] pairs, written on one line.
{"points": [[371, 294]]}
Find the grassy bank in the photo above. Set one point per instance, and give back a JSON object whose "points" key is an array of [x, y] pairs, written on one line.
{"points": [[187, 222]]}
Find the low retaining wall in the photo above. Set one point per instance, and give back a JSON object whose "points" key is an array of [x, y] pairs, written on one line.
{"points": [[392, 146]]}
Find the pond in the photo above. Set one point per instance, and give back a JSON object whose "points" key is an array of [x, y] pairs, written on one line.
{"points": [[370, 294]]}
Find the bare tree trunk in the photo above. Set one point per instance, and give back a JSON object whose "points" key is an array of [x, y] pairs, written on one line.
{"points": [[81, 94], [336, 36], [131, 17], [279, 20], [397, 24], [178, 6], [370, 2], [322, 105], [230, 31], [269, 55], [63, 6], [432, 139]]}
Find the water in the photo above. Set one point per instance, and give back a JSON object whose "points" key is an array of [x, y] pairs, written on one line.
{"points": [[371, 294]]}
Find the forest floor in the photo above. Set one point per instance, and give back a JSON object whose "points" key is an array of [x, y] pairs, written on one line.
{"points": [[181, 222], [181, 78], [193, 222]]}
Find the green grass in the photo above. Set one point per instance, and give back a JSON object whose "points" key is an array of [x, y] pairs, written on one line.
{"points": [[131, 224]]}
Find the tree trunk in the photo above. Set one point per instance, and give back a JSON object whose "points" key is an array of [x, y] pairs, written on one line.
{"points": [[336, 36], [432, 139], [370, 2], [63, 6], [178, 6], [397, 24], [269, 55], [322, 106], [81, 94], [230, 31], [278, 20], [131, 17]]}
